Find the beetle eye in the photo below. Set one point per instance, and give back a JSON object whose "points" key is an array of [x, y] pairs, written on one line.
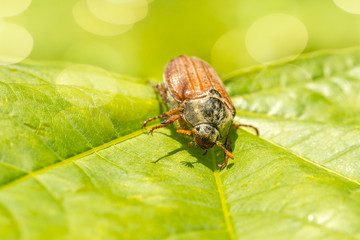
{"points": [[214, 92]]}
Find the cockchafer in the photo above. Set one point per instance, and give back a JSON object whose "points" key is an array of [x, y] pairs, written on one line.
{"points": [[199, 104]]}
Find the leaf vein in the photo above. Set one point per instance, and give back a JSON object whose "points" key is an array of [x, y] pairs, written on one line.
{"points": [[303, 220], [71, 159]]}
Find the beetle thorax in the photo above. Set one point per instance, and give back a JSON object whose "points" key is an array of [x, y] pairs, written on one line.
{"points": [[211, 111]]}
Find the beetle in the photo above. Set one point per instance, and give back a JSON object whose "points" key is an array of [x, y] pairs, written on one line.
{"points": [[198, 104]]}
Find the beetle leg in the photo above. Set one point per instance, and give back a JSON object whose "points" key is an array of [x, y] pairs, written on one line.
{"points": [[159, 89], [168, 114], [227, 143], [237, 125], [170, 120], [187, 132], [227, 147], [228, 153]]}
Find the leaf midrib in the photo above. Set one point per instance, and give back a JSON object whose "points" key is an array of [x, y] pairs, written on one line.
{"points": [[225, 210], [219, 185]]}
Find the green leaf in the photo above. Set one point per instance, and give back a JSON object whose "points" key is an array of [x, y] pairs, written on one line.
{"points": [[74, 163]]}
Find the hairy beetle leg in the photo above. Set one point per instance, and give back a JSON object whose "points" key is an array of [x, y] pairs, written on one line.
{"points": [[227, 147], [186, 132], [226, 151], [170, 120], [159, 89], [247, 125], [168, 114]]}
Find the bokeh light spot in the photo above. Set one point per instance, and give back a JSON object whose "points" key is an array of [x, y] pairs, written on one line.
{"points": [[351, 6], [276, 36], [95, 53], [16, 43], [9, 8], [92, 24], [229, 52], [119, 11], [85, 85]]}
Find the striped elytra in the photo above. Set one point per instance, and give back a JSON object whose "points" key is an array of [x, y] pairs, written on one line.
{"points": [[189, 78]]}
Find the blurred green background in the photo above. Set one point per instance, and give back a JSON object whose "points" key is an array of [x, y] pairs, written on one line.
{"points": [[138, 37]]}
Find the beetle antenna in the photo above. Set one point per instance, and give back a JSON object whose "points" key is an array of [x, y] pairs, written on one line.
{"points": [[225, 150]]}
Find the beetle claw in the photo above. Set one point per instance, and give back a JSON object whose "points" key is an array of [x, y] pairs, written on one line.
{"points": [[151, 132], [144, 124], [163, 122], [221, 166]]}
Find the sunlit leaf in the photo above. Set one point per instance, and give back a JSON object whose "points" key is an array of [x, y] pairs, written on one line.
{"points": [[74, 163]]}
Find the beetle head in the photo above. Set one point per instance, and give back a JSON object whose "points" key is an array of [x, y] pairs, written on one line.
{"points": [[206, 136]]}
